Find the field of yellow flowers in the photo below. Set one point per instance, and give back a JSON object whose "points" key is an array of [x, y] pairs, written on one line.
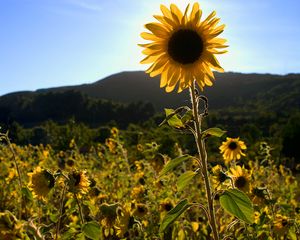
{"points": [[116, 193]]}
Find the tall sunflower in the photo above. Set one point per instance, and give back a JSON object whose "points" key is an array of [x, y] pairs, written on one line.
{"points": [[232, 149], [78, 182], [41, 181], [241, 178], [183, 47]]}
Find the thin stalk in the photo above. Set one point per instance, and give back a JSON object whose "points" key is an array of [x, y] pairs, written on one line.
{"points": [[203, 159], [60, 212], [22, 202], [79, 208]]}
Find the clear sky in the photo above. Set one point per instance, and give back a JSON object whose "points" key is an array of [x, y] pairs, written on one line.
{"points": [[47, 43]]}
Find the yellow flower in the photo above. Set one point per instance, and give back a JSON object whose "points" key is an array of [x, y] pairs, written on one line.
{"points": [[114, 132], [108, 214], [78, 182], [111, 144], [123, 221], [41, 181], [218, 176], [280, 224], [241, 178], [140, 210], [183, 47], [232, 149]]}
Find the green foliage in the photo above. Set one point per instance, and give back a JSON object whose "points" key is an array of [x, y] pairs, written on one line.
{"points": [[172, 215], [216, 132], [92, 230], [172, 164], [238, 204], [185, 179]]}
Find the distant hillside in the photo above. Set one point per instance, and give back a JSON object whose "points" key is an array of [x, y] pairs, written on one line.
{"points": [[230, 89]]}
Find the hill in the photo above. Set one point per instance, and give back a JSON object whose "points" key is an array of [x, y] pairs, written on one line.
{"points": [[230, 89]]}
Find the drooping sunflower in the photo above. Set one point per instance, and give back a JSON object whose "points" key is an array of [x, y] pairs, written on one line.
{"points": [[232, 149], [183, 47], [218, 176], [240, 177], [140, 210], [78, 182], [41, 181], [280, 224]]}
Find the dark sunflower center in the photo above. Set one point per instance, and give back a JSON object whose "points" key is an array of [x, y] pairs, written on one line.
{"points": [[168, 207], [77, 178], [232, 145], [240, 182], [141, 209], [185, 46]]}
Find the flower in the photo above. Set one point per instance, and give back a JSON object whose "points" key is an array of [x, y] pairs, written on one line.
{"points": [[281, 224], [114, 132], [140, 210], [41, 181], [240, 177], [232, 149], [78, 182], [218, 176], [183, 47]]}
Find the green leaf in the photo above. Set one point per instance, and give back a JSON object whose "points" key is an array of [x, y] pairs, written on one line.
{"points": [[173, 214], [184, 179], [91, 230], [238, 204], [187, 117], [26, 193], [217, 132], [172, 118], [173, 164]]}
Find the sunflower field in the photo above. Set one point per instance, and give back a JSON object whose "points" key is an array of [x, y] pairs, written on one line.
{"points": [[113, 192], [116, 189]]}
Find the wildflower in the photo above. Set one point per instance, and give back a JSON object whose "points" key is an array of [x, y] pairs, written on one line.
{"points": [[182, 48], [41, 181], [111, 144], [218, 176], [114, 132], [232, 149], [108, 214], [280, 224], [124, 221], [78, 182], [140, 147], [240, 178], [138, 192], [166, 205], [140, 210]]}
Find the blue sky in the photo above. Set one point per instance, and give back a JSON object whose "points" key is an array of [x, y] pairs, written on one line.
{"points": [[47, 43]]}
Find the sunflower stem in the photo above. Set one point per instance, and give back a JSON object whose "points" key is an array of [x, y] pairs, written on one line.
{"points": [[60, 212], [22, 202], [203, 158], [79, 208]]}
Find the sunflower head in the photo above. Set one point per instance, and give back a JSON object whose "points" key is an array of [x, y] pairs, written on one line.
{"points": [[241, 178], [41, 181], [281, 224], [140, 210], [78, 182], [218, 176], [232, 149], [182, 48]]}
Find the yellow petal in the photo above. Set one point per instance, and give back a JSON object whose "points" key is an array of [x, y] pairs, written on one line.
{"points": [[164, 78], [149, 59], [149, 36], [176, 13], [212, 61], [168, 23], [157, 29], [166, 12]]}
